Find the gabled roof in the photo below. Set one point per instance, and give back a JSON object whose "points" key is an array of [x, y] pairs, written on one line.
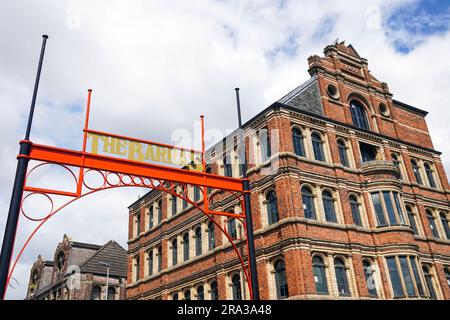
{"points": [[285, 99], [111, 253]]}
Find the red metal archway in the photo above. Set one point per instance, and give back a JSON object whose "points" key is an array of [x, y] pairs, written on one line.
{"points": [[130, 173]]}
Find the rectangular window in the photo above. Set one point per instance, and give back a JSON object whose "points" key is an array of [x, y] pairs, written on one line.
{"points": [[368, 152], [389, 207], [407, 279], [399, 208], [395, 277], [381, 220], [419, 285]]}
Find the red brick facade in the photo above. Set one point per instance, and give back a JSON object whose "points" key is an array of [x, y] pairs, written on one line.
{"points": [[374, 223]]}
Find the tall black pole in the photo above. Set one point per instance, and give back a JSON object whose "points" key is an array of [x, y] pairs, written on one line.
{"points": [[16, 198], [248, 208]]}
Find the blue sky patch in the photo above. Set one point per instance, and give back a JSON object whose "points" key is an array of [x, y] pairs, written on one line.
{"points": [[409, 25]]}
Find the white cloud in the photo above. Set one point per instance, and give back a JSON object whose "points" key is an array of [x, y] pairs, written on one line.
{"points": [[156, 66]]}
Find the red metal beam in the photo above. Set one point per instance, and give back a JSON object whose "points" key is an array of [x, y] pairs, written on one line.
{"points": [[112, 164]]}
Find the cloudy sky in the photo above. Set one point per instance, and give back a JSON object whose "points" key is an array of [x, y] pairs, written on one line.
{"points": [[155, 66]]}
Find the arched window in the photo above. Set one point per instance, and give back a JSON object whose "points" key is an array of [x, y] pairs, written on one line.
{"points": [[136, 267], [432, 224], [186, 246], [299, 145], [231, 227], [280, 280], [264, 139], [175, 296], [342, 148], [187, 295], [96, 293], [150, 262], [272, 208], [359, 117], [159, 258], [174, 205], [236, 286], [429, 173], [447, 276], [214, 291], [138, 223], [308, 203], [396, 162], [328, 207], [174, 252], [159, 211], [356, 214], [411, 219], [370, 278], [200, 293], [429, 282], [211, 236], [150, 216], [416, 171], [444, 223], [198, 241], [111, 293], [320, 277], [317, 144], [341, 277]]}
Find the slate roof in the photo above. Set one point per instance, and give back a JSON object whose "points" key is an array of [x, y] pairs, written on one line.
{"points": [[111, 253]]}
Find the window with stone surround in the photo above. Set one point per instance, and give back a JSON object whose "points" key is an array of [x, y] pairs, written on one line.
{"points": [[445, 224], [96, 292], [359, 116], [343, 152], [432, 223], [429, 280], [308, 203], [298, 142], [281, 279], [388, 208], [356, 210], [198, 240], [136, 267], [329, 206], [369, 274], [405, 279], [214, 290], [320, 277], [318, 146], [186, 246], [430, 175], [416, 171], [174, 249], [236, 287], [340, 270], [412, 219], [272, 207]]}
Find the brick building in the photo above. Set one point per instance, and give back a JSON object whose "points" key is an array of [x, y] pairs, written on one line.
{"points": [[350, 201], [79, 271]]}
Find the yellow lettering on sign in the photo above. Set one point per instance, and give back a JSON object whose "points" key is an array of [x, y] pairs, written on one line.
{"points": [[135, 151], [94, 145], [161, 154], [140, 151], [109, 144]]}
